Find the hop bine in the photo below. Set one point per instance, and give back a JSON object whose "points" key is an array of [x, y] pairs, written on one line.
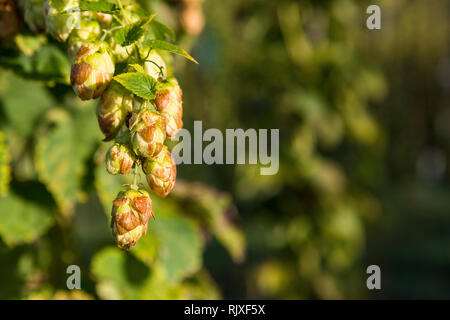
{"points": [[129, 217], [161, 172], [92, 70]]}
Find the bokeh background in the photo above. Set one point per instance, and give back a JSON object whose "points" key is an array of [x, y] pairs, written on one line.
{"points": [[364, 119]]}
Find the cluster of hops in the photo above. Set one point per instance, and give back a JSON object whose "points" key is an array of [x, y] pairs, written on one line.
{"points": [[137, 124]]}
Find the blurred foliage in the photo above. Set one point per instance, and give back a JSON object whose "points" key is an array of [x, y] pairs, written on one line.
{"points": [[363, 118]]}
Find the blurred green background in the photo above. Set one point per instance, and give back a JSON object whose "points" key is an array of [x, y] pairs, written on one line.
{"points": [[364, 141]]}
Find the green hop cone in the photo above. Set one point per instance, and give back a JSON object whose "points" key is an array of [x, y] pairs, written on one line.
{"points": [[129, 217], [61, 17], [112, 110], [89, 31], [168, 101], [34, 15], [148, 132], [120, 54], [161, 172], [92, 70], [154, 64], [119, 159]]}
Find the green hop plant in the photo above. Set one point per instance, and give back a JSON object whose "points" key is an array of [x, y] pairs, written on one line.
{"points": [[112, 109], [129, 217], [139, 110], [169, 102], [119, 159], [92, 70], [61, 17], [34, 15], [148, 132], [161, 172]]}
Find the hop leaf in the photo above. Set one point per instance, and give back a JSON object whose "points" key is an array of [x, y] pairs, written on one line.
{"points": [[140, 84], [163, 45]]}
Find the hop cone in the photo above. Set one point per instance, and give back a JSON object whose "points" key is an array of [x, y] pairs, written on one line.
{"points": [[34, 15], [161, 172], [9, 19], [129, 217], [169, 102], [154, 64], [112, 109], [148, 132], [119, 159], [61, 17], [92, 70]]}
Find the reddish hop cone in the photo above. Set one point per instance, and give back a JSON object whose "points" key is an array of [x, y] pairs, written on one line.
{"points": [[169, 102], [129, 217], [119, 159], [148, 132], [112, 109], [161, 172], [92, 70], [9, 19]]}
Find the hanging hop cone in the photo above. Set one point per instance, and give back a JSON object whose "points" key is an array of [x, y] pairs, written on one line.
{"points": [[169, 102], [154, 64], [148, 132], [112, 110], [61, 17], [34, 15], [129, 217], [119, 159], [89, 31], [92, 70], [9, 19], [161, 172]]}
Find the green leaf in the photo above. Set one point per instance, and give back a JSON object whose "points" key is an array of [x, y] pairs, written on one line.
{"points": [[180, 250], [100, 6], [162, 31], [22, 221], [132, 32], [48, 63], [121, 276], [211, 208], [140, 84], [163, 45], [5, 170], [23, 110], [62, 153]]}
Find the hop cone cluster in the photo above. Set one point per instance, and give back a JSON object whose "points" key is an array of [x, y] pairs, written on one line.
{"points": [[137, 125]]}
